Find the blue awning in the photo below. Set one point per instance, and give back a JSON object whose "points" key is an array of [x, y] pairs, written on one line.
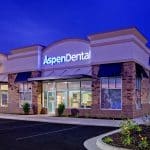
{"points": [[140, 72], [109, 70], [23, 76]]}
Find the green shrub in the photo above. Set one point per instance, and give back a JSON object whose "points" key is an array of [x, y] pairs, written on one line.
{"points": [[61, 108], [107, 140], [127, 127], [26, 108], [143, 144]]}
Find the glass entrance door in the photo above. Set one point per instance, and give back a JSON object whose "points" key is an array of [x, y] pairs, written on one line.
{"points": [[51, 99]]}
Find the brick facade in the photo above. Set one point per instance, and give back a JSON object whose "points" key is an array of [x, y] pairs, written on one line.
{"points": [[128, 96], [14, 96]]}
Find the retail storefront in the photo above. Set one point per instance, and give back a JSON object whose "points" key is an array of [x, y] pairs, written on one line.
{"points": [[105, 76]]}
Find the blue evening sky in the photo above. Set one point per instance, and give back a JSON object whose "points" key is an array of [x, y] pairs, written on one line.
{"points": [[27, 22]]}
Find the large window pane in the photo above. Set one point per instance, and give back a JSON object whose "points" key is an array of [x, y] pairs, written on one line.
{"points": [[62, 98], [104, 83], [74, 85], [111, 93], [86, 99], [4, 87], [86, 85], [61, 86], [118, 83], [4, 98], [111, 99], [111, 83], [50, 86], [25, 90], [74, 98]]}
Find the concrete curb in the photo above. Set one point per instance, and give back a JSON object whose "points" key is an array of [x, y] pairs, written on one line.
{"points": [[103, 146], [62, 120]]}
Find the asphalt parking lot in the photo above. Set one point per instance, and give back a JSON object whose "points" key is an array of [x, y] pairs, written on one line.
{"points": [[26, 135]]}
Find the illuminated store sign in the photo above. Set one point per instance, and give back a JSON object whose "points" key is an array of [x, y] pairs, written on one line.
{"points": [[83, 56]]}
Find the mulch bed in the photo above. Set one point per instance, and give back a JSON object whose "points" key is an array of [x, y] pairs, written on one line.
{"points": [[144, 133]]}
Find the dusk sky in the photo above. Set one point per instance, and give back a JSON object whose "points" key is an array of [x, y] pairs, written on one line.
{"points": [[27, 22]]}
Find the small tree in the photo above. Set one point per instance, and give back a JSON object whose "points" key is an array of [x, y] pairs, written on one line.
{"points": [[61, 108], [26, 108]]}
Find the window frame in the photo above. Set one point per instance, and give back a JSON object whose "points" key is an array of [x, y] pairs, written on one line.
{"points": [[1, 98], [22, 101], [138, 87], [109, 89]]}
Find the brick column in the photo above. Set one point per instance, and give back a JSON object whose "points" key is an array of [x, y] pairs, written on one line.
{"points": [[128, 88], [36, 93], [13, 95], [95, 91]]}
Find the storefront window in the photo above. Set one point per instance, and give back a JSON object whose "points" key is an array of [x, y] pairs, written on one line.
{"points": [[47, 87], [138, 93], [62, 98], [25, 90], [74, 99], [111, 93], [74, 94], [74, 85], [4, 95], [61, 86], [86, 94]]}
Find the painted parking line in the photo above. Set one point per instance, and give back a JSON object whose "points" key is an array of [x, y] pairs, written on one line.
{"points": [[26, 126], [45, 133], [6, 122]]}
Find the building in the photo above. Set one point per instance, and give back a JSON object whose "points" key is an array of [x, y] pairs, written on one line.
{"points": [[106, 75]]}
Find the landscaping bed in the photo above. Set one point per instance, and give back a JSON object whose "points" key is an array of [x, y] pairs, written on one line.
{"points": [[118, 142], [132, 136]]}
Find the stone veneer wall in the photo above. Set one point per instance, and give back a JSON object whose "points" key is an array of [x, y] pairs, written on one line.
{"points": [[13, 95]]}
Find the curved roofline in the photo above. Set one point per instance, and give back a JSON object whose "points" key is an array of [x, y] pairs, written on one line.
{"points": [[65, 40]]}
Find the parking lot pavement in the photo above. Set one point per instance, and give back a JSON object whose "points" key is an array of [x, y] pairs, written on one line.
{"points": [[25, 135]]}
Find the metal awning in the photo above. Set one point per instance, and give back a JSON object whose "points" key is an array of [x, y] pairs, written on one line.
{"points": [[109, 70], [23, 76], [63, 74], [52, 78], [140, 72]]}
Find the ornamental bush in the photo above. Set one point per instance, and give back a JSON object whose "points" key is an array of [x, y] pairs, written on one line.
{"points": [[61, 108], [26, 108]]}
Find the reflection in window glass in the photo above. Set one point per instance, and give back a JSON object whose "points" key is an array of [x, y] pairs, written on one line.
{"points": [[111, 93], [104, 83], [118, 83], [74, 98], [25, 90], [112, 83], [86, 85]]}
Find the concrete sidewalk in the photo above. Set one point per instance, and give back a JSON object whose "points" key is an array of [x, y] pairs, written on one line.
{"points": [[67, 120], [64, 120]]}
